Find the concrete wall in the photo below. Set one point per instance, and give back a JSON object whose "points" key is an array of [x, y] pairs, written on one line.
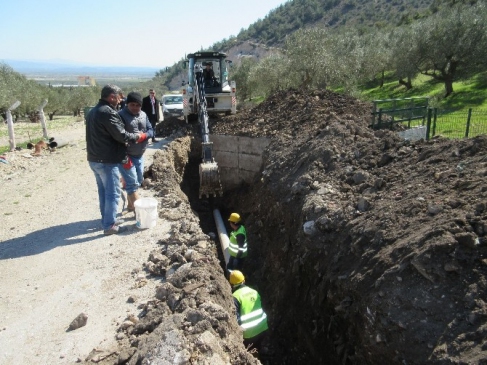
{"points": [[239, 158]]}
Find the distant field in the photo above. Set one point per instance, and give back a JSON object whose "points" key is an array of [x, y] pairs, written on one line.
{"points": [[102, 79], [67, 73]]}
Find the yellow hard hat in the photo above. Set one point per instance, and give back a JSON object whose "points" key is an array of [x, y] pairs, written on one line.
{"points": [[234, 218], [236, 277]]}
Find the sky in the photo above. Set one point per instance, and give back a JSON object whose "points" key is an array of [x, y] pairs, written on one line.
{"points": [[154, 33]]}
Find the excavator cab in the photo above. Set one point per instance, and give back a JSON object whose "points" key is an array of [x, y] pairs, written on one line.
{"points": [[210, 76], [220, 93], [212, 73]]}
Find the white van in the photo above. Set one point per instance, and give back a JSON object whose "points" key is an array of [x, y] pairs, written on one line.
{"points": [[172, 105]]}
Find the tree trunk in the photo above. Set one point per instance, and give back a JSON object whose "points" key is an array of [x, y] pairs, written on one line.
{"points": [[448, 86], [408, 83], [382, 79]]}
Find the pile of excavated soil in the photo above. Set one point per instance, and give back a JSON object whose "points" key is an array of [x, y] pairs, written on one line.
{"points": [[367, 249]]}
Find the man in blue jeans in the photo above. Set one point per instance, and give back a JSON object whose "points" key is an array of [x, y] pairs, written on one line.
{"points": [[136, 121], [106, 146]]}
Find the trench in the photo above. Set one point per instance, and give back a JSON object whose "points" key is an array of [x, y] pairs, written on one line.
{"points": [[300, 332]]}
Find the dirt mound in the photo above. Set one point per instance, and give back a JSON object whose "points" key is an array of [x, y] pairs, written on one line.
{"points": [[367, 248]]}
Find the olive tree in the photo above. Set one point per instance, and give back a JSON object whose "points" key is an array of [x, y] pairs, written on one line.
{"points": [[56, 97], [377, 56], [403, 58], [451, 44], [14, 86], [308, 56], [10, 87], [322, 58], [348, 59], [269, 75], [81, 97], [241, 75]]}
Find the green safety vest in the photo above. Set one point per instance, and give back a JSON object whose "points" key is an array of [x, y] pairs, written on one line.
{"points": [[233, 247], [253, 319]]}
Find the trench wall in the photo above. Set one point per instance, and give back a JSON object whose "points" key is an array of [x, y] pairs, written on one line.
{"points": [[239, 158]]}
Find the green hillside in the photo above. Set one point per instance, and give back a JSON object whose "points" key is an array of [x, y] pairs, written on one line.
{"points": [[298, 14]]}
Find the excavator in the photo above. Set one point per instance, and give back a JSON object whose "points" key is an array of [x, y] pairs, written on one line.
{"points": [[203, 93]]}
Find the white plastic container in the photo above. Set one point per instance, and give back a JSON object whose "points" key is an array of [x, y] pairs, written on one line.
{"points": [[146, 212]]}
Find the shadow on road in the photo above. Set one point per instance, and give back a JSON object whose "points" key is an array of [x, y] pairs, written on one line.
{"points": [[46, 239]]}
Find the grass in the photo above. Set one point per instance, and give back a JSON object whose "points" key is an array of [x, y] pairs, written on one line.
{"points": [[452, 120], [471, 93], [26, 131]]}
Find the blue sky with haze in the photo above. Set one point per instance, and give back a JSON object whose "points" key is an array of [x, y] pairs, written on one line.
{"points": [[121, 33]]}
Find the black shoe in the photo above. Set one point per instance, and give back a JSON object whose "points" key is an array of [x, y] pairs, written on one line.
{"points": [[154, 140]]}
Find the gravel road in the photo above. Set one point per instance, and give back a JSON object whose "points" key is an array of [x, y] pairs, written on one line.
{"points": [[55, 262]]}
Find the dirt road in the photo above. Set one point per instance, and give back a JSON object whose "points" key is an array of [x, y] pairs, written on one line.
{"points": [[55, 262]]}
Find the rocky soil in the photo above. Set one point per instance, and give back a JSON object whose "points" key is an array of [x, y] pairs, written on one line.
{"points": [[366, 248]]}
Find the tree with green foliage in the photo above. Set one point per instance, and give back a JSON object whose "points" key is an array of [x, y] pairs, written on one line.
{"points": [[451, 44], [269, 75], [349, 59], [402, 59], [308, 56], [377, 55], [80, 97], [14, 86], [241, 75], [56, 101]]}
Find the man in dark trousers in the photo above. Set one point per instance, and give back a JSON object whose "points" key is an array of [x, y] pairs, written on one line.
{"points": [[150, 106], [237, 247], [106, 147]]}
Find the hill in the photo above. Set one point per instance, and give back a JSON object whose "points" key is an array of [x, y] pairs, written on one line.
{"points": [[267, 34], [298, 14]]}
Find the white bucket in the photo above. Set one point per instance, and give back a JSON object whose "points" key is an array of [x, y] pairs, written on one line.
{"points": [[146, 212]]}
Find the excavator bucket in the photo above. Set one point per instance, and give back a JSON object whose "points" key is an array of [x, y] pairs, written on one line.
{"points": [[210, 184]]}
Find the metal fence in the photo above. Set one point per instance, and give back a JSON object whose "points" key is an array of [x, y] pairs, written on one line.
{"points": [[410, 111], [414, 112], [457, 124]]}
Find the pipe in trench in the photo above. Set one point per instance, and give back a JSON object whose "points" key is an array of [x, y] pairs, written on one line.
{"points": [[222, 234]]}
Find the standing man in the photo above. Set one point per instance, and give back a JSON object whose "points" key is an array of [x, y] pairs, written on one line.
{"points": [[250, 315], [150, 106], [237, 247], [136, 121], [106, 140]]}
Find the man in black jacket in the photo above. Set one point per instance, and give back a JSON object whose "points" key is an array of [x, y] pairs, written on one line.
{"points": [[106, 145], [150, 106]]}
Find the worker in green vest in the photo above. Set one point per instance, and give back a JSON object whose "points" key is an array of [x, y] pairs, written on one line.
{"points": [[250, 315], [237, 247]]}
